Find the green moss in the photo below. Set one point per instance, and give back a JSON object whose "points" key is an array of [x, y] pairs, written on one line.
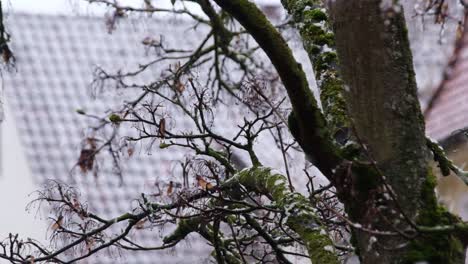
{"points": [[351, 151], [163, 145], [439, 157], [325, 39], [185, 227], [437, 247], [114, 118], [315, 15], [300, 214], [312, 31], [329, 56], [334, 106], [277, 185], [319, 42], [313, 49], [323, 62], [296, 7], [315, 34], [318, 240]]}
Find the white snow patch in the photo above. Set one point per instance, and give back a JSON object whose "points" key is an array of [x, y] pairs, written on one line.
{"points": [[372, 241], [328, 248], [278, 182]]}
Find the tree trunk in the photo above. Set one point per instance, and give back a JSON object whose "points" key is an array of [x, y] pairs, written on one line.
{"points": [[376, 64]]}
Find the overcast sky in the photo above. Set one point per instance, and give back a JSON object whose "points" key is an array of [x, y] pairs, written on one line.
{"points": [[78, 6]]}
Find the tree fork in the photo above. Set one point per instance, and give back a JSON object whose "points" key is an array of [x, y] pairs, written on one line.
{"points": [[313, 133]]}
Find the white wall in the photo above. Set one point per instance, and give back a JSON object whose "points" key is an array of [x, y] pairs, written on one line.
{"points": [[16, 183]]}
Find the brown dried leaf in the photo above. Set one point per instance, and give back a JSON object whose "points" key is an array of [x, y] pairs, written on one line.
{"points": [[170, 188], [79, 209], [89, 244], [119, 12], [179, 86], [162, 128], [92, 142], [140, 224], [86, 160], [30, 259], [130, 152], [58, 223], [6, 54], [205, 185], [76, 204], [460, 29], [442, 15]]}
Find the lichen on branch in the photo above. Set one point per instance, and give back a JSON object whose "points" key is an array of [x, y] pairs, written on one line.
{"points": [[301, 216], [445, 164], [312, 22]]}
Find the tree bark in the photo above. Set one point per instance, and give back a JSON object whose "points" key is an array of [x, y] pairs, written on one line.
{"points": [[382, 98], [376, 64]]}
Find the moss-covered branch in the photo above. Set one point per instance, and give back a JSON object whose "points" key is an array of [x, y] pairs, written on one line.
{"points": [[199, 225], [459, 229], [222, 35], [318, 39], [300, 214], [445, 164], [312, 128], [183, 229]]}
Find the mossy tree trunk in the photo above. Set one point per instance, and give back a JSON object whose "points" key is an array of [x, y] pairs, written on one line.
{"points": [[376, 64], [386, 186]]}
